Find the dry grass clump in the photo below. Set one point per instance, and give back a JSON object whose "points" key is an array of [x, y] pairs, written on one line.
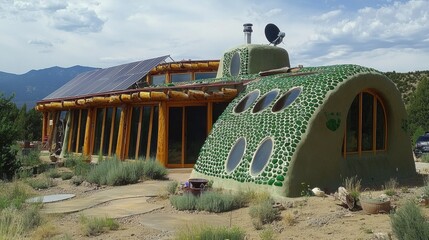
{"points": [[210, 233], [94, 226], [263, 213], [353, 186], [390, 187]]}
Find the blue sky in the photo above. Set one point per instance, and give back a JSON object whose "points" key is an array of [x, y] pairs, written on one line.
{"points": [[387, 35]]}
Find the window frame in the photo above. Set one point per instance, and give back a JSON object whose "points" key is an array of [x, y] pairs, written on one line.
{"points": [[374, 150]]}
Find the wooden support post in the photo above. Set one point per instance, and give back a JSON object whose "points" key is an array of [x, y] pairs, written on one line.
{"points": [[121, 133], [78, 130], [45, 127], [139, 128], [66, 135], [149, 134], [161, 153], [87, 139], [72, 113], [112, 129], [102, 129]]}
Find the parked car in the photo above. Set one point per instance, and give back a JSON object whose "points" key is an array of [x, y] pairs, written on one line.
{"points": [[422, 145]]}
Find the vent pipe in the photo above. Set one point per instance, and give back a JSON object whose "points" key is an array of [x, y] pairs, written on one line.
{"points": [[248, 32]]}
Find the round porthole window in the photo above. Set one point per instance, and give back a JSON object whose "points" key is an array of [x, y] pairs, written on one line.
{"points": [[246, 102], [261, 157], [234, 67], [265, 101], [286, 99], [235, 155]]}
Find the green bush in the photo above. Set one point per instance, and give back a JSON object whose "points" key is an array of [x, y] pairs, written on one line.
{"points": [[41, 182], [31, 159], [77, 180], [53, 173], [77, 164], [94, 226], [409, 223], [154, 170], [264, 212], [267, 234], [66, 175], [217, 202], [186, 201], [211, 233], [210, 201], [114, 172]]}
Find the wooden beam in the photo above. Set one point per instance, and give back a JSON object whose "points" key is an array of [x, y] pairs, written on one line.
{"points": [[161, 153], [45, 127], [149, 133], [121, 133], [209, 117], [139, 129], [127, 138], [177, 95], [103, 129]]}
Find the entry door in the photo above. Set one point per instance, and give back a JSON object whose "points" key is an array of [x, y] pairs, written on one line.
{"points": [[187, 131]]}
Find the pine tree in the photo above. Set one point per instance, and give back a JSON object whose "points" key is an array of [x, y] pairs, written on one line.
{"points": [[8, 135], [418, 109]]}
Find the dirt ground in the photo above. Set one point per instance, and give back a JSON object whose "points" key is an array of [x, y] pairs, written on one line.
{"points": [[303, 218]]}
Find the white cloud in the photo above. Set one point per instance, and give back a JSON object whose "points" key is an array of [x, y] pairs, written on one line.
{"points": [[41, 43], [77, 20], [327, 16]]}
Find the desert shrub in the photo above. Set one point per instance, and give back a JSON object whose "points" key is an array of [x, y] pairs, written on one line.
{"points": [[77, 180], [46, 231], [13, 195], [409, 223], [172, 187], [267, 234], [24, 172], [94, 226], [77, 164], [210, 233], [353, 186], [41, 182], [186, 201], [15, 223], [425, 158], [210, 201], [31, 159], [53, 173], [217, 202], [66, 175], [114, 172], [390, 187], [264, 212], [154, 170]]}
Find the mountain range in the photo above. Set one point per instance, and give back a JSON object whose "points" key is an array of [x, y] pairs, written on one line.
{"points": [[35, 85]]}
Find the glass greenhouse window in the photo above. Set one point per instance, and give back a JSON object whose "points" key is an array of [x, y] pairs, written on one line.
{"points": [[246, 102], [204, 75], [286, 100], [261, 157], [235, 155], [366, 126], [265, 101]]}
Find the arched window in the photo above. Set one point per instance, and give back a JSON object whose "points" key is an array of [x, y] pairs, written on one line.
{"points": [[366, 126]]}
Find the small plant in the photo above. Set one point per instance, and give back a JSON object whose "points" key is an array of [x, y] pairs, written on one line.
{"points": [[31, 159], [425, 158], [13, 195], [267, 234], [289, 219], [209, 233], [66, 175], [41, 182], [94, 226], [209, 201], [353, 186], [53, 173], [15, 223], [172, 187], [409, 222], [46, 231], [264, 212], [390, 187]]}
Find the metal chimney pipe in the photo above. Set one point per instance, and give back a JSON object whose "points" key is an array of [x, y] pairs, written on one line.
{"points": [[248, 32]]}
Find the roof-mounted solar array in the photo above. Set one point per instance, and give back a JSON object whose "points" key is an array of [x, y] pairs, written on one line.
{"points": [[106, 80]]}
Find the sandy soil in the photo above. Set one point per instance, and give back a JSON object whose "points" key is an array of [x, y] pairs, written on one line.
{"points": [[302, 218]]}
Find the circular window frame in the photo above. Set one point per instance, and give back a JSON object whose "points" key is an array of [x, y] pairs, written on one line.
{"points": [[262, 98], [256, 152], [284, 95], [230, 152], [247, 96], [235, 64]]}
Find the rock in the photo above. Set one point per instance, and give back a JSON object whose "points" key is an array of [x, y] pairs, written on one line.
{"points": [[86, 184], [318, 193], [381, 236]]}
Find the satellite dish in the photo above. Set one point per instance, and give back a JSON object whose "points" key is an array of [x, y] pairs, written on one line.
{"points": [[273, 34]]}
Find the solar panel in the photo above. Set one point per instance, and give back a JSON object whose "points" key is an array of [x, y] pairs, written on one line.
{"points": [[105, 80]]}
